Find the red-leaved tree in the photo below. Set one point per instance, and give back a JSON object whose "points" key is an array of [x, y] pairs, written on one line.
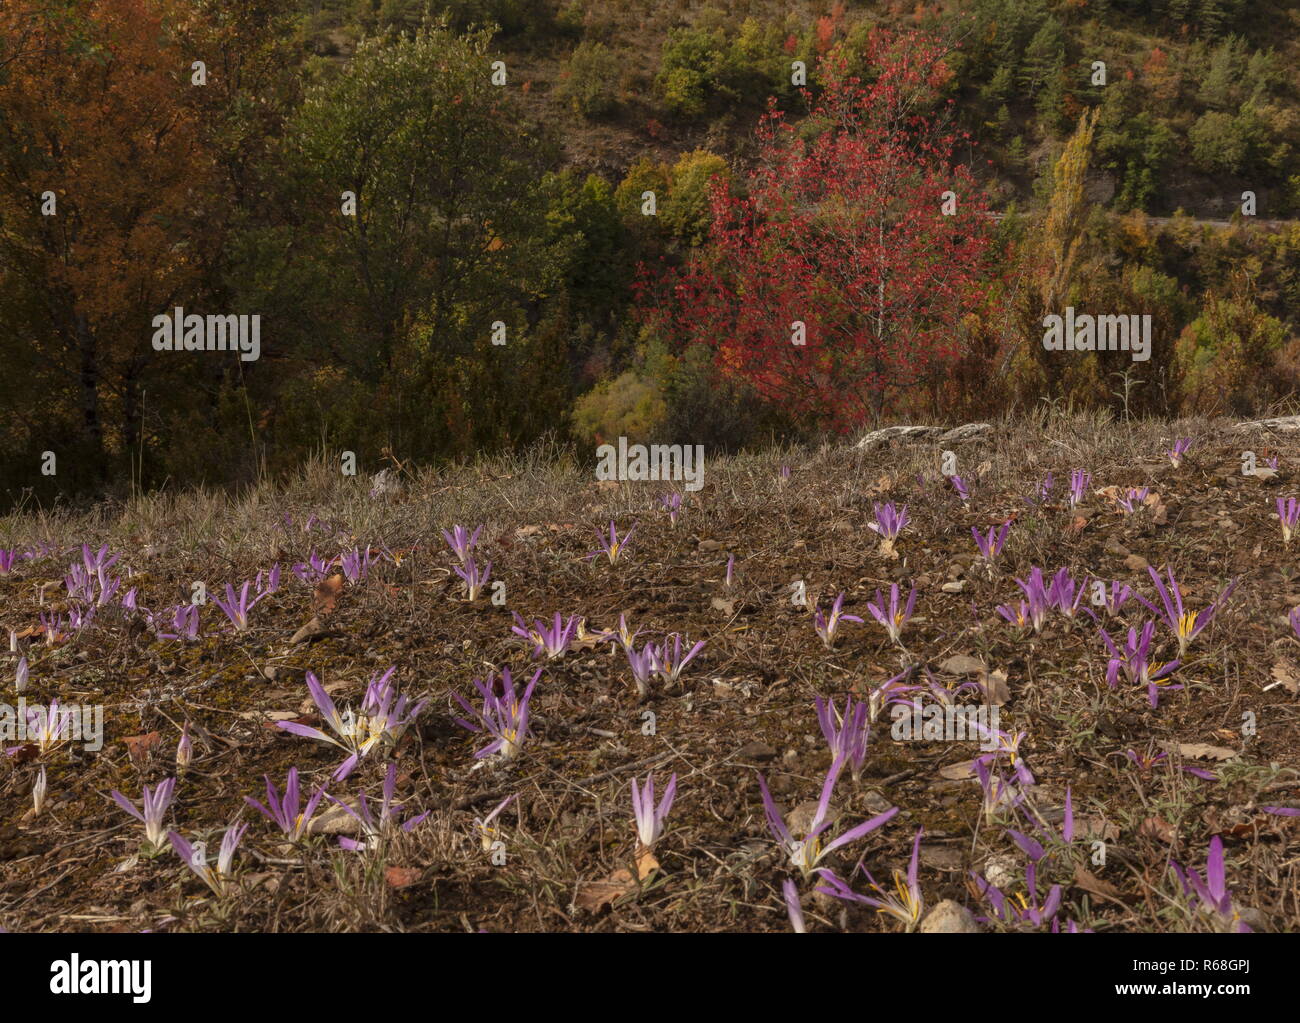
{"points": [[843, 227]]}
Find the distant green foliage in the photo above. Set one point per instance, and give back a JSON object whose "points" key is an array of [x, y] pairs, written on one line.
{"points": [[591, 82]]}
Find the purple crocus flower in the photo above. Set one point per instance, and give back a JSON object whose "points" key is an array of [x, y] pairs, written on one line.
{"points": [[1034, 847], [888, 692], [672, 504], [905, 904], [890, 521], [195, 857], [313, 569], [644, 665], [357, 563], [1134, 659], [808, 852], [184, 749], [1211, 892], [474, 576], [185, 623], [793, 907], [283, 810], [376, 827], [846, 733], [553, 641], [991, 546], [1288, 511], [237, 606], [959, 485], [1117, 597], [1033, 610], [503, 717], [489, 831], [154, 804], [826, 626], [1135, 500], [648, 818], [48, 728], [1023, 909], [894, 619], [461, 541], [79, 585], [384, 717], [1185, 625], [731, 571], [1181, 446], [672, 662], [999, 791], [1064, 593], [7, 557], [1080, 481], [612, 547]]}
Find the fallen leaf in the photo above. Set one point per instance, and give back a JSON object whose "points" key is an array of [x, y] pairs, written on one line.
{"points": [[996, 691], [138, 747], [1158, 828], [646, 864], [962, 664], [1094, 885], [326, 596], [958, 772], [727, 607], [597, 895], [402, 877], [314, 629], [1200, 750], [1284, 672]]}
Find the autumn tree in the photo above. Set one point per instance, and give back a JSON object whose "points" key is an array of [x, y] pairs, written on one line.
{"points": [[443, 235], [103, 178], [836, 277]]}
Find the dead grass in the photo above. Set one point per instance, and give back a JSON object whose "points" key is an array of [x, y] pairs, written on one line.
{"points": [[744, 706]]}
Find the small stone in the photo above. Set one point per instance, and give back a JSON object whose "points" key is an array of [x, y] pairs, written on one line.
{"points": [[756, 751], [1136, 563], [949, 917], [956, 587]]}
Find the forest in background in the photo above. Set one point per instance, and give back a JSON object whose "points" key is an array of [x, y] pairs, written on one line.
{"points": [[519, 211]]}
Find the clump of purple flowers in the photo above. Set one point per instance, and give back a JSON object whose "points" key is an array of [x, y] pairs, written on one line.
{"points": [[1135, 661], [503, 716], [893, 619], [846, 733], [890, 522], [1288, 511], [376, 828], [1080, 481], [613, 547], [461, 541], [991, 546], [552, 641], [1210, 894], [1181, 446], [284, 810], [827, 626]]}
